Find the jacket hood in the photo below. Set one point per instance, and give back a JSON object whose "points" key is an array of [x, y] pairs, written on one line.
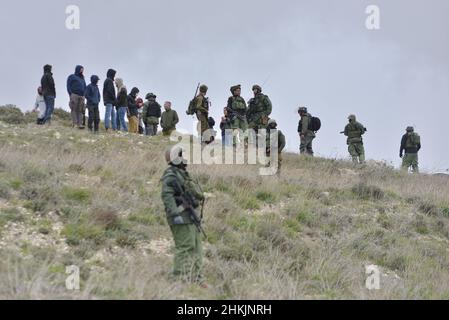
{"points": [[94, 79], [134, 91], [47, 68], [111, 74], [78, 70]]}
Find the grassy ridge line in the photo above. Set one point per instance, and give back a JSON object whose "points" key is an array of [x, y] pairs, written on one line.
{"points": [[67, 197]]}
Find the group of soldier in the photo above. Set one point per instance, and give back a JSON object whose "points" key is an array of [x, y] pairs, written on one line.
{"points": [[182, 195]]}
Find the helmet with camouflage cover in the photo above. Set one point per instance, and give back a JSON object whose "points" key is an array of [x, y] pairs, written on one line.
{"points": [[352, 118], [175, 155], [257, 87], [302, 110], [150, 95], [233, 88], [272, 123], [203, 88], [410, 129]]}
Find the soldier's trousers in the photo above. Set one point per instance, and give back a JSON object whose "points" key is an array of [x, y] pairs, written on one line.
{"points": [[203, 119], [78, 109], [410, 160], [357, 152], [188, 263], [239, 126], [306, 146]]}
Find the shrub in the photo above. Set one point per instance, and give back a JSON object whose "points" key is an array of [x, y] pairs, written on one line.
{"points": [[11, 114], [75, 194], [366, 192], [108, 219], [4, 190]]}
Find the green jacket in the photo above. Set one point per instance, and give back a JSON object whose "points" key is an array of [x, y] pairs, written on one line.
{"points": [[303, 126], [259, 106], [176, 182], [237, 105], [169, 120], [281, 140], [354, 131], [201, 104]]}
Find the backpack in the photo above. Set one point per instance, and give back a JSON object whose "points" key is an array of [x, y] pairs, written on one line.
{"points": [[414, 140], [315, 124], [191, 110]]}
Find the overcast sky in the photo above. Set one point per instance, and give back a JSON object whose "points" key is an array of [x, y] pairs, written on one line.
{"points": [[315, 53]]}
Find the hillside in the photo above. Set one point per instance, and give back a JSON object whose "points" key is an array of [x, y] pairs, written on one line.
{"points": [[71, 198]]}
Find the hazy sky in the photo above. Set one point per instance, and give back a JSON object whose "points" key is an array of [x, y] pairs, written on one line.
{"points": [[316, 53]]}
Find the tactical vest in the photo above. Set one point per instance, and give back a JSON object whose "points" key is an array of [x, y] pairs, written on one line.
{"points": [[413, 141], [238, 105], [355, 132]]}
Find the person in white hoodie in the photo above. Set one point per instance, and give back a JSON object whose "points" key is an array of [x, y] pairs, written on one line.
{"points": [[40, 107]]}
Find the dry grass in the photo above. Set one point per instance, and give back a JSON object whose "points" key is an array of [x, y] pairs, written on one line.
{"points": [[94, 202]]}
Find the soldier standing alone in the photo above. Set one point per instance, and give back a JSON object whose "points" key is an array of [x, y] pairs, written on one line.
{"points": [[411, 144], [178, 188], [201, 105], [305, 133], [354, 131]]}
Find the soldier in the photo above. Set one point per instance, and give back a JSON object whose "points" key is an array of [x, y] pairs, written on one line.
{"points": [[354, 131], [411, 144], [280, 145], [259, 110], [181, 197], [201, 107], [151, 114], [237, 111], [306, 135]]}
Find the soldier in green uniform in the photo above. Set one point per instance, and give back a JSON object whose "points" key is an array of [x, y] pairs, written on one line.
{"points": [[177, 186], [354, 131], [201, 106], [279, 145], [237, 111], [411, 144], [306, 135], [259, 110]]}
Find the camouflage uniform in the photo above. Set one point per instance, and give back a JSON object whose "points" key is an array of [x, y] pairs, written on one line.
{"points": [[201, 104], [307, 136], [188, 260], [259, 110], [237, 110], [411, 144], [280, 145], [354, 131]]}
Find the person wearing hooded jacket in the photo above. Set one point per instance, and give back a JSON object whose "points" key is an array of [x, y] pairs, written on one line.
{"points": [[76, 88], [48, 92], [133, 111], [109, 96], [93, 98], [121, 102]]}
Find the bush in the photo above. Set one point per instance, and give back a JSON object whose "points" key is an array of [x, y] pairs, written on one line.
{"points": [[61, 114], [366, 192], [79, 195], [11, 114], [4, 190]]}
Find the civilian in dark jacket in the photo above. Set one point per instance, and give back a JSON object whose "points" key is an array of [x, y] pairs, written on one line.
{"points": [[93, 98], [76, 88], [49, 92], [133, 111], [109, 96]]}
